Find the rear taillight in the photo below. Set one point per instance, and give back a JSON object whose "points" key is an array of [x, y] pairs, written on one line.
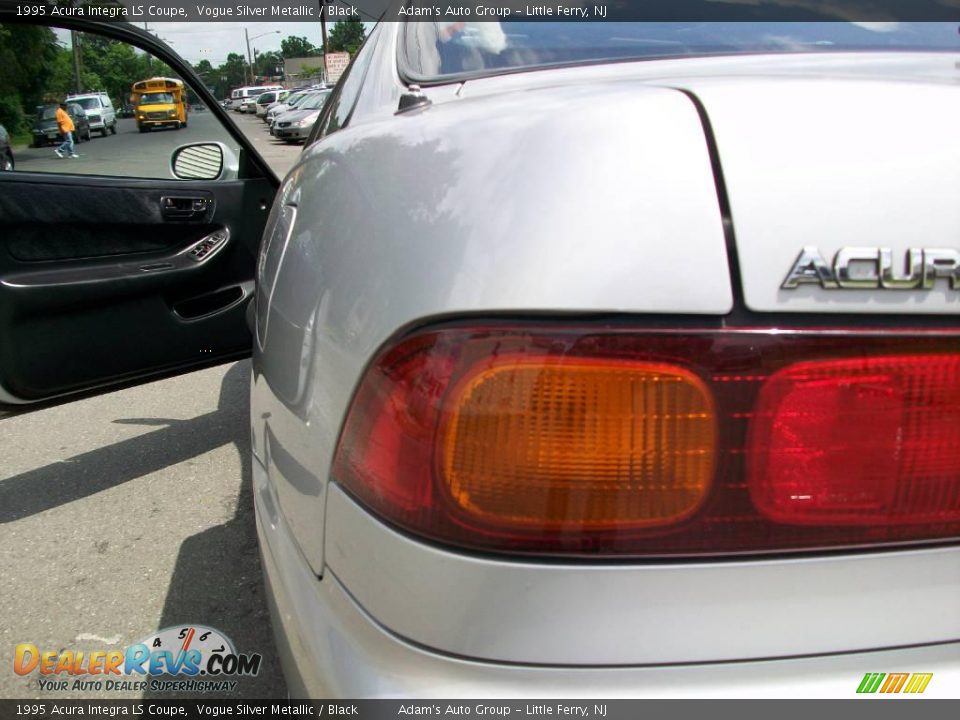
{"points": [[868, 441], [574, 441], [539, 442]]}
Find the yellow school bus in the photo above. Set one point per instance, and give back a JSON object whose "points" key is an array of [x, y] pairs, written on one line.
{"points": [[159, 102]]}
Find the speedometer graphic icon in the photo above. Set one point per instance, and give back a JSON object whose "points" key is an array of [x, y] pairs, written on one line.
{"points": [[199, 641]]}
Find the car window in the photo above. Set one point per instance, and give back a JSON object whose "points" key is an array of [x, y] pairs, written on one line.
{"points": [[345, 94], [131, 135], [314, 101], [439, 51], [88, 103]]}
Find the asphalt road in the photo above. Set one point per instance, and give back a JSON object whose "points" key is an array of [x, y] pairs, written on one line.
{"points": [[130, 512], [131, 153]]}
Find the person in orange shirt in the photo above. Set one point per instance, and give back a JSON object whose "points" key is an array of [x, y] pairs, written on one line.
{"points": [[65, 123]]}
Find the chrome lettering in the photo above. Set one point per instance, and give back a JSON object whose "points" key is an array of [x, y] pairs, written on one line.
{"points": [[810, 267], [890, 280], [941, 264], [842, 270], [922, 268]]}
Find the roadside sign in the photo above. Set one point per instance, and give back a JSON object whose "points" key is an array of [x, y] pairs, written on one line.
{"points": [[336, 65]]}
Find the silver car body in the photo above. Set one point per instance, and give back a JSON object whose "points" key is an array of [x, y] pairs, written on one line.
{"points": [[506, 195], [281, 108], [278, 106], [99, 110], [262, 107]]}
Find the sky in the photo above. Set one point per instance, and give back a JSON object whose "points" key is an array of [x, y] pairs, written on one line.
{"points": [[213, 41]]}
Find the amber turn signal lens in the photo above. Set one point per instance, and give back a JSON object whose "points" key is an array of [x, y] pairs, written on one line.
{"points": [[592, 444]]}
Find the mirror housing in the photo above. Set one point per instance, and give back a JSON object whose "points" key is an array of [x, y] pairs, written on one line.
{"points": [[204, 161]]}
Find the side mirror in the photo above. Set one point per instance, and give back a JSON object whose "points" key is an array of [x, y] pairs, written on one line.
{"points": [[204, 161]]}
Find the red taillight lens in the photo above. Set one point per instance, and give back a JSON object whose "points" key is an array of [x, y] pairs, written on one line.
{"points": [[859, 442], [577, 442]]}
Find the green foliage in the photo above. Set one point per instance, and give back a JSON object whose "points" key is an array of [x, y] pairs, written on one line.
{"points": [[11, 114], [233, 72], [27, 53], [114, 66], [295, 47], [35, 68], [267, 64], [309, 71], [227, 76], [347, 36]]}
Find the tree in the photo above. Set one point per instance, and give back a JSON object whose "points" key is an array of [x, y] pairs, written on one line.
{"points": [[347, 36], [267, 63], [27, 56], [297, 47], [310, 71], [233, 72], [209, 76], [113, 66]]}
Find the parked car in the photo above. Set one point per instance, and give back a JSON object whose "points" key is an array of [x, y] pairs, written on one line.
{"points": [[278, 108], [295, 125], [6, 151], [46, 131], [99, 111], [267, 99], [588, 359]]}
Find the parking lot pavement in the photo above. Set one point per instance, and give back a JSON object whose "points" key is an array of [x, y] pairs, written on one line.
{"points": [[130, 512], [279, 155], [131, 153]]}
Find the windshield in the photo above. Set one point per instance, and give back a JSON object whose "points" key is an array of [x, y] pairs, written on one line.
{"points": [[156, 99], [266, 98], [87, 103], [437, 50], [314, 101], [48, 113]]}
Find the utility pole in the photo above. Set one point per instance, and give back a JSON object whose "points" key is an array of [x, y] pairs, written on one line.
{"points": [[75, 43], [249, 56], [323, 32], [147, 53]]}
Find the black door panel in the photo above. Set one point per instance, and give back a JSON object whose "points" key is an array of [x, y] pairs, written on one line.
{"points": [[100, 283]]}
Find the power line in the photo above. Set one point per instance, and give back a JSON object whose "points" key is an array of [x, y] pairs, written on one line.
{"points": [[373, 18]]}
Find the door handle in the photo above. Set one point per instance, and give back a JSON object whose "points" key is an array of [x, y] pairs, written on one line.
{"points": [[183, 206]]}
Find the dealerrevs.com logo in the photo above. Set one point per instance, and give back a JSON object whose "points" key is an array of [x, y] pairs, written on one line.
{"points": [[190, 658], [911, 683]]}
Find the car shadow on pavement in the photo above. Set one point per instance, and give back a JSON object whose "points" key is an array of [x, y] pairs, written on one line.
{"points": [[217, 579], [175, 441]]}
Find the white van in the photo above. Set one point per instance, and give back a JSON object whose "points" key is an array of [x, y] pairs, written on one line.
{"points": [[240, 96], [99, 109]]}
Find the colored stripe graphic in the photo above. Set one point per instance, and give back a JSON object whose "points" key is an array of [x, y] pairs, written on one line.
{"points": [[918, 683], [895, 682], [870, 682]]}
